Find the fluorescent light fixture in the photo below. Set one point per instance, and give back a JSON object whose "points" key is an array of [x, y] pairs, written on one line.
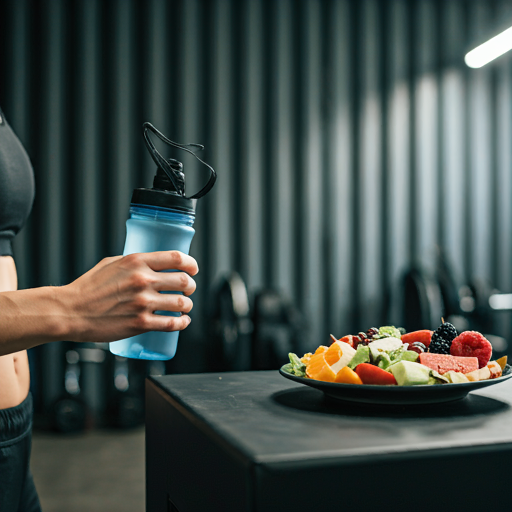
{"points": [[501, 301], [490, 50]]}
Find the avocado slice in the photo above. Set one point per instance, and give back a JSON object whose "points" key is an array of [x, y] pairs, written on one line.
{"points": [[362, 355], [383, 360], [408, 373], [410, 355]]}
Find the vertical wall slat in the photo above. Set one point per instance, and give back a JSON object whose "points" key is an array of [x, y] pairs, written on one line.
{"points": [[398, 152], [282, 156], [480, 147], [253, 157], [159, 79], [51, 176], [86, 157], [369, 194], [426, 134], [454, 164], [337, 166], [312, 219], [221, 255], [125, 129]]}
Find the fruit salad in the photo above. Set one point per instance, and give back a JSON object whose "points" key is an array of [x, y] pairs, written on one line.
{"points": [[389, 356]]}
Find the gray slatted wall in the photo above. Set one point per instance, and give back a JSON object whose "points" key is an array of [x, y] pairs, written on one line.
{"points": [[348, 136]]}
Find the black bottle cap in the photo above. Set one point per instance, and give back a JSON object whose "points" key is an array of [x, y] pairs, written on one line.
{"points": [[163, 199]]}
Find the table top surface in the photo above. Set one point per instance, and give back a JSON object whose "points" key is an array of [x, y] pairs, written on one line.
{"points": [[267, 418]]}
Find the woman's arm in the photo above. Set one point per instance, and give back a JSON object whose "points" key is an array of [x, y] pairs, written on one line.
{"points": [[114, 300]]}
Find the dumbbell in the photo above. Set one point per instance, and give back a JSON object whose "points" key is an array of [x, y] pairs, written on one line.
{"points": [[69, 412], [230, 325]]}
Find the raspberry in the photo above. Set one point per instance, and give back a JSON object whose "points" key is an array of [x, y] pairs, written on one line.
{"points": [[472, 344], [442, 339]]}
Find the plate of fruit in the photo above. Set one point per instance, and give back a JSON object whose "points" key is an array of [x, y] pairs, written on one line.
{"points": [[387, 365]]}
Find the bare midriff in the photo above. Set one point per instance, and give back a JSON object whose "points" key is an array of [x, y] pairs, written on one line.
{"points": [[14, 372]]}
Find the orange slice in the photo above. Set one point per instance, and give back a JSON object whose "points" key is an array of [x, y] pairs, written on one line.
{"points": [[333, 354], [348, 376], [326, 363], [345, 356], [318, 369]]}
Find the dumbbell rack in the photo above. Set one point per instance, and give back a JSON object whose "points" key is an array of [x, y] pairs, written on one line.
{"points": [[427, 296], [79, 386]]}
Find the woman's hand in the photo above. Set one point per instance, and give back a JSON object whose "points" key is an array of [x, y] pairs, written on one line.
{"points": [[114, 300], [118, 297]]}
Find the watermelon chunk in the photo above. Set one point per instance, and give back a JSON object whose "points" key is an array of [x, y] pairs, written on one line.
{"points": [[443, 363]]}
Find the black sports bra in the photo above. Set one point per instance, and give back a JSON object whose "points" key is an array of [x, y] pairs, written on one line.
{"points": [[16, 186]]}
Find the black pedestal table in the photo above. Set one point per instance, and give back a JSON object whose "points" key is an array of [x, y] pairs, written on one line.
{"points": [[254, 441]]}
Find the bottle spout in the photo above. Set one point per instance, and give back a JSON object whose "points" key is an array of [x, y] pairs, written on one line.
{"points": [[162, 181], [170, 175]]}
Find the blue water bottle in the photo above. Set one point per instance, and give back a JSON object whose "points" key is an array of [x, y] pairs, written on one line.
{"points": [[161, 219]]}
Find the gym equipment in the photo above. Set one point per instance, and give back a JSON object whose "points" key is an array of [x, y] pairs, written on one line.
{"points": [[243, 338], [278, 327], [422, 302], [427, 296], [125, 391], [69, 412], [231, 326]]}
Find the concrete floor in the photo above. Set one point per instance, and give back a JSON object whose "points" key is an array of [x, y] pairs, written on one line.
{"points": [[96, 471]]}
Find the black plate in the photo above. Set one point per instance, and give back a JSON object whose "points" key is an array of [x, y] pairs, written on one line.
{"points": [[396, 395]]}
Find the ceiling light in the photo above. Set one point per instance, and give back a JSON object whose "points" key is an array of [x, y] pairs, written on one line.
{"points": [[490, 50]]}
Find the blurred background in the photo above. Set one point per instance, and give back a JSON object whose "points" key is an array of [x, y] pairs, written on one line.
{"points": [[364, 171]]}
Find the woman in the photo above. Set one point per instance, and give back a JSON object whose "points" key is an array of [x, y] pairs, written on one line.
{"points": [[114, 300]]}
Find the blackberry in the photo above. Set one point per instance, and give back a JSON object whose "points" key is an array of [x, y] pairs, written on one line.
{"points": [[442, 339]]}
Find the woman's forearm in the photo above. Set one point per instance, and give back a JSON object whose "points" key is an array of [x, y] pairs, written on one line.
{"points": [[31, 317], [116, 299]]}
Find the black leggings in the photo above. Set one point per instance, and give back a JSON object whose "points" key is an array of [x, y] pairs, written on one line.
{"points": [[17, 489]]}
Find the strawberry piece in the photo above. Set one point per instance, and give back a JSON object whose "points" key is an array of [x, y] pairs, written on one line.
{"points": [[423, 336], [472, 344], [371, 374]]}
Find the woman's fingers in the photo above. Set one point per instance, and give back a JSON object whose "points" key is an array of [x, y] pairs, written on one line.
{"points": [[174, 302], [166, 260], [176, 282], [168, 323]]}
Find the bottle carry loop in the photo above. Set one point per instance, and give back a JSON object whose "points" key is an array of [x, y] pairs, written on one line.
{"points": [[173, 168]]}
